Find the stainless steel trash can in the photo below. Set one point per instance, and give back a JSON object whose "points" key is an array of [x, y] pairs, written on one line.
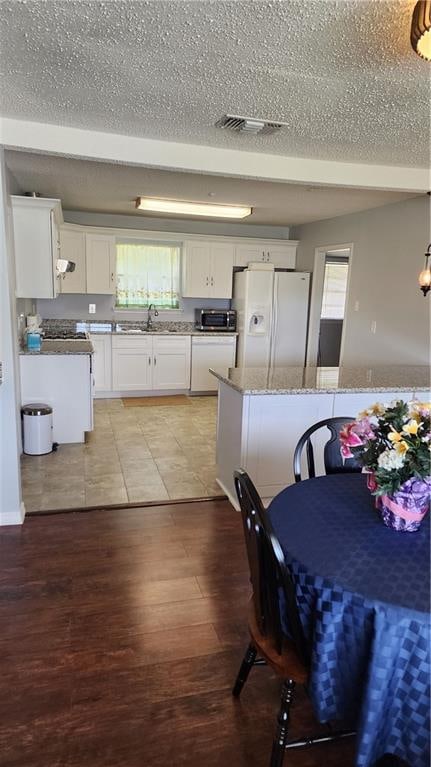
{"points": [[37, 428]]}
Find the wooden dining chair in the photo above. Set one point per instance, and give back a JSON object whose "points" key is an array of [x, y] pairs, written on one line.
{"points": [[276, 634], [332, 459]]}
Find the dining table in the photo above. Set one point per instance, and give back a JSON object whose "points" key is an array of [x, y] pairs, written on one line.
{"points": [[363, 594]]}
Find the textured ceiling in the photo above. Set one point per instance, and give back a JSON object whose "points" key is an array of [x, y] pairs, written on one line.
{"points": [[341, 73], [109, 188]]}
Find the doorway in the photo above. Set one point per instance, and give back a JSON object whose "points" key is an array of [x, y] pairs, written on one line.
{"points": [[331, 276]]}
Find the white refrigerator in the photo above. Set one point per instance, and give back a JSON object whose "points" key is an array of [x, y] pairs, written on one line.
{"points": [[272, 313]]}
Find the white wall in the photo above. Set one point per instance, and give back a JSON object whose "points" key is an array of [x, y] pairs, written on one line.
{"points": [[389, 245], [11, 509]]}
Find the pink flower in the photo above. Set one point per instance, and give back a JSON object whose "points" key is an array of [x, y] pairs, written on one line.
{"points": [[346, 452], [364, 428], [349, 438], [348, 435]]}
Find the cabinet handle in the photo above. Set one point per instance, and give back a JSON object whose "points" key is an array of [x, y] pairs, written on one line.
{"points": [[112, 276], [149, 360], [155, 360], [207, 281], [212, 280]]}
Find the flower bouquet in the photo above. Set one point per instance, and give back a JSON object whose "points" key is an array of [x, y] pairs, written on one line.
{"points": [[393, 445]]}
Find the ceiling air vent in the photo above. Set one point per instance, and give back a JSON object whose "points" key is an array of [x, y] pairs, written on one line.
{"points": [[248, 125]]}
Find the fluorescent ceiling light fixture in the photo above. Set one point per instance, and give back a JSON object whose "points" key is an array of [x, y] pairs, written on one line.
{"points": [[182, 208]]}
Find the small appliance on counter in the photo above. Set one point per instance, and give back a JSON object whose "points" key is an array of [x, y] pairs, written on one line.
{"points": [[215, 319], [33, 332]]}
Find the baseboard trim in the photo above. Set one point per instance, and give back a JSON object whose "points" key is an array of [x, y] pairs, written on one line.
{"points": [[123, 506], [13, 517], [230, 497]]}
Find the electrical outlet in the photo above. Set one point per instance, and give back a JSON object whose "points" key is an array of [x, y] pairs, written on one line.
{"points": [[92, 308], [356, 306], [374, 326]]}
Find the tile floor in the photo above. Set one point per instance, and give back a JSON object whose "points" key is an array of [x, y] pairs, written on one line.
{"points": [[133, 455]]}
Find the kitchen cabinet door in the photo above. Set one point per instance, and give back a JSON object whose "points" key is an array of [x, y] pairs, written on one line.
{"points": [[72, 247], [102, 362], [100, 263], [132, 366], [244, 253], [221, 270], [171, 362], [36, 244], [196, 262], [282, 256]]}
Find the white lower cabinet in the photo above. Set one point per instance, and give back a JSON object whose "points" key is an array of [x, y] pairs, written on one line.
{"points": [[150, 363], [211, 352], [102, 361], [131, 363], [171, 362], [64, 382]]}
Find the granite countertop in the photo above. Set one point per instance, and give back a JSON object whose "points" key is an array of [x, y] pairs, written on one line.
{"points": [[315, 380], [61, 346], [131, 328]]}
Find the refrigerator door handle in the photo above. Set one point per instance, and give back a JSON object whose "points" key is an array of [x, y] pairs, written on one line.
{"points": [[275, 304], [273, 323]]}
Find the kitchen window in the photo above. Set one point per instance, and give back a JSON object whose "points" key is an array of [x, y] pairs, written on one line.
{"points": [[147, 273]]}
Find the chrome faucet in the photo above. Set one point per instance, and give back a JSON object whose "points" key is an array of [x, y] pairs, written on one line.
{"points": [[149, 317]]}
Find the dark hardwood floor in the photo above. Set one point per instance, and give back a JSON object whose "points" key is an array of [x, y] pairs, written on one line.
{"points": [[121, 635]]}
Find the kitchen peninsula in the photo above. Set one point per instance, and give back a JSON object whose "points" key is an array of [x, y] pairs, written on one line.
{"points": [[262, 412]]}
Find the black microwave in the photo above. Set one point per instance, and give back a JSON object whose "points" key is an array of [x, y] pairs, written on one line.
{"points": [[215, 319]]}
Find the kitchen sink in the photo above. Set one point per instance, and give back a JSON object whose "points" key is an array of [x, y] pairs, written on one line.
{"points": [[138, 331]]}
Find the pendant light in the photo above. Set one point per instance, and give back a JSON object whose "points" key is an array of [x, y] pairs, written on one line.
{"points": [[420, 34], [425, 275]]}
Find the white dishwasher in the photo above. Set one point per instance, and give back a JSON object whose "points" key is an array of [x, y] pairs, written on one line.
{"points": [[210, 352]]}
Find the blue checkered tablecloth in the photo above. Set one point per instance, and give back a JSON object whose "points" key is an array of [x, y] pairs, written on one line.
{"points": [[364, 594]]}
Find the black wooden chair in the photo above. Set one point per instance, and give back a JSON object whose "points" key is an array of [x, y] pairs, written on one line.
{"points": [[278, 643], [334, 463]]}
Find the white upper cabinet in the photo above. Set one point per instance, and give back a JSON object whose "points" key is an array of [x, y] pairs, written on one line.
{"points": [[244, 253], [36, 223], [72, 246], [100, 266], [196, 262], [207, 269], [221, 270], [282, 255]]}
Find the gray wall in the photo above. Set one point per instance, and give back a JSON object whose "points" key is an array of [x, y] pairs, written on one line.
{"points": [[389, 246], [10, 423], [175, 225], [75, 307]]}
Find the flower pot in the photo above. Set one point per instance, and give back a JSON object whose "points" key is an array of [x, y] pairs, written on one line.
{"points": [[405, 510]]}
